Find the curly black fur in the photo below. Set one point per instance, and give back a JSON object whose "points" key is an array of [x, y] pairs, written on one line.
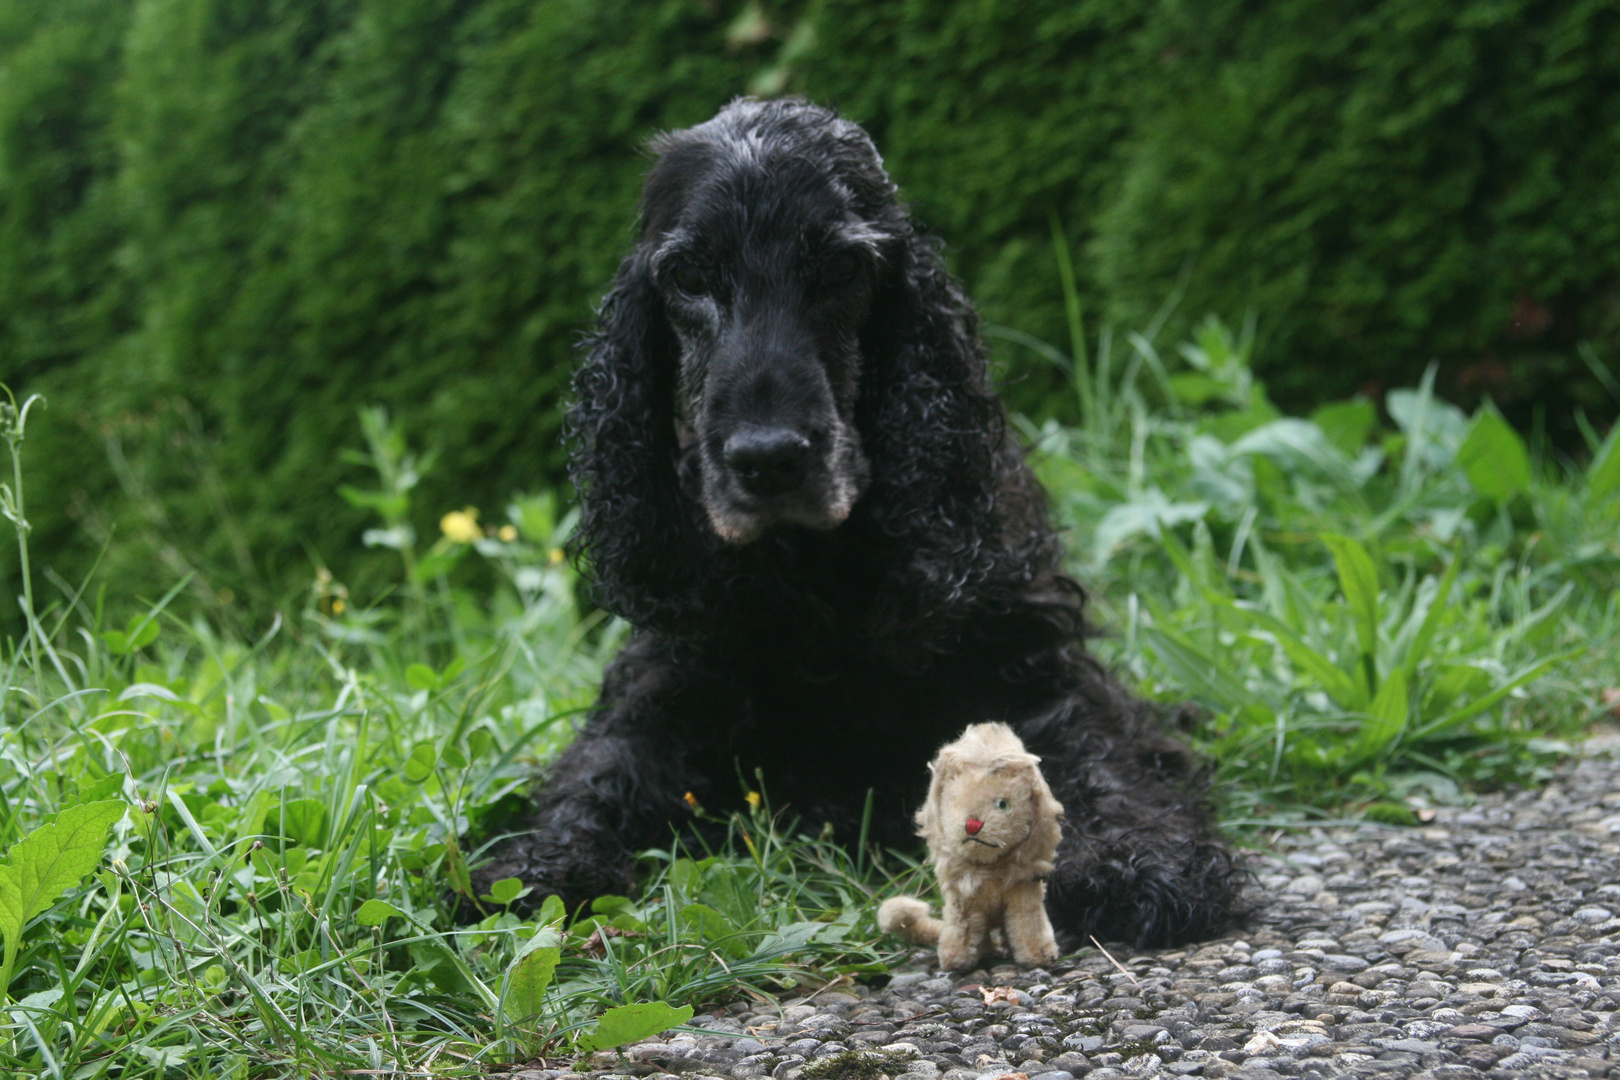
{"points": [[903, 580]]}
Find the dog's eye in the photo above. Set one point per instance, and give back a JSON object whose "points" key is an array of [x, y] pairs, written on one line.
{"points": [[1002, 804], [840, 271], [689, 279]]}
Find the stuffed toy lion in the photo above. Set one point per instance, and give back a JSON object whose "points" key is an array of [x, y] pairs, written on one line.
{"points": [[992, 829]]}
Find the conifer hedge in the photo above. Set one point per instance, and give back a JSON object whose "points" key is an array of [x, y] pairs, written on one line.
{"points": [[226, 225]]}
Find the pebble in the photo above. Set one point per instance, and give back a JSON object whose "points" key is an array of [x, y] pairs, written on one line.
{"points": [[1482, 946]]}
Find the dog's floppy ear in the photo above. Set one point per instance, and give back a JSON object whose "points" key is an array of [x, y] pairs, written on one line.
{"points": [[934, 432], [634, 532]]}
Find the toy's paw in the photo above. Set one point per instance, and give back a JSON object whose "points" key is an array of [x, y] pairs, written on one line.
{"points": [[1037, 954], [957, 958]]}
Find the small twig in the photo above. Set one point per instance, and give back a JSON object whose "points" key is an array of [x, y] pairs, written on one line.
{"points": [[839, 981], [1122, 969]]}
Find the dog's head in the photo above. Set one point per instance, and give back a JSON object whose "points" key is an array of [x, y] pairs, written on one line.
{"points": [[764, 232], [780, 353]]}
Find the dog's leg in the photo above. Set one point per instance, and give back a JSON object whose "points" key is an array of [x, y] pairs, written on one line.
{"points": [[1160, 881], [1140, 859], [618, 789]]}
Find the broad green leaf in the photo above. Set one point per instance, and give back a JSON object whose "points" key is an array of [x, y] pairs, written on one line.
{"points": [[527, 983], [1603, 477], [251, 818], [612, 905], [629, 1023], [687, 876], [1347, 424], [713, 928], [506, 890], [142, 634], [1358, 581], [97, 790], [420, 765], [303, 821], [1385, 720], [479, 742], [138, 633], [452, 757], [455, 867], [421, 677], [1494, 458], [374, 912], [552, 911], [48, 862], [789, 939]]}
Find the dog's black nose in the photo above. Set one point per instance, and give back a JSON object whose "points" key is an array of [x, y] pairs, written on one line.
{"points": [[768, 461]]}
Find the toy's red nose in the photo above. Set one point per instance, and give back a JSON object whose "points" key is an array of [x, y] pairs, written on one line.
{"points": [[974, 825]]}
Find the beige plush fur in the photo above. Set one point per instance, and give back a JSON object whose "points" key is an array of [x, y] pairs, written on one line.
{"points": [[992, 829]]}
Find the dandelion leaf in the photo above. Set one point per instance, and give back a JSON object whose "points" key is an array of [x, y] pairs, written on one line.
{"points": [[531, 975]]}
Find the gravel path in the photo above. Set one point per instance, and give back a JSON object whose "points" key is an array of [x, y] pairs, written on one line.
{"points": [[1482, 944]]}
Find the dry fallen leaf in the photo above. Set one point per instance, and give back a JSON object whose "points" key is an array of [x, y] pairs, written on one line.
{"points": [[993, 994], [1611, 698], [592, 946]]}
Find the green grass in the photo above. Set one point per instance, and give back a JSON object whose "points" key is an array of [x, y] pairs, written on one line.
{"points": [[1364, 613], [1373, 619]]}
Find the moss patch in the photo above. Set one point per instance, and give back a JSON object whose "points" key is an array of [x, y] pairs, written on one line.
{"points": [[856, 1065]]}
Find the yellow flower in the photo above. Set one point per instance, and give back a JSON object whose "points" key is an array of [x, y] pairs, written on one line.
{"points": [[461, 526], [691, 800], [753, 799], [338, 606], [508, 533], [557, 555]]}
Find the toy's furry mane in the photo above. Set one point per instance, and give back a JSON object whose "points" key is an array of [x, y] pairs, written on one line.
{"points": [[993, 749]]}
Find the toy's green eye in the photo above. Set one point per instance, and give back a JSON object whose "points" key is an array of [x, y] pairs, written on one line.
{"points": [[1001, 804]]}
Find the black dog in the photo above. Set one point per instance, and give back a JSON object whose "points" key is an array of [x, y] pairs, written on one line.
{"points": [[798, 486]]}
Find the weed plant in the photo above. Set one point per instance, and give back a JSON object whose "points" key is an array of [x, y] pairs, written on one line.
{"points": [[249, 857], [1371, 615]]}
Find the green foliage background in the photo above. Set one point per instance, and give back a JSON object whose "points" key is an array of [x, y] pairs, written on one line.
{"points": [[225, 225]]}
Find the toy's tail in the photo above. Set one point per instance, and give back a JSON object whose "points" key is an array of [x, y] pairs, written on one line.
{"points": [[908, 917]]}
